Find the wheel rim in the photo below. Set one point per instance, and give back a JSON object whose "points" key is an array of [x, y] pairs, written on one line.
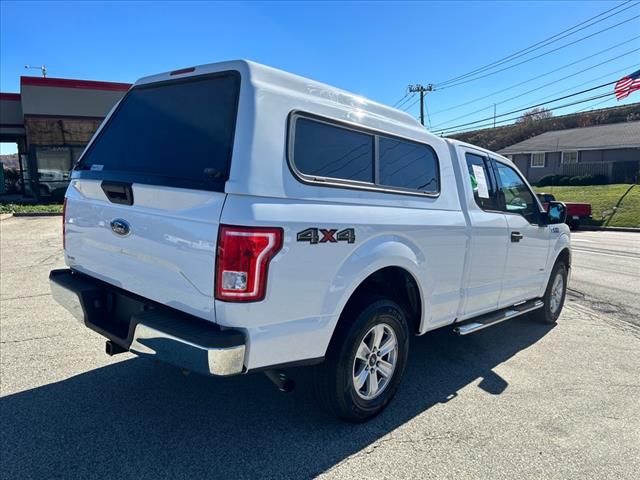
{"points": [[375, 361], [556, 293]]}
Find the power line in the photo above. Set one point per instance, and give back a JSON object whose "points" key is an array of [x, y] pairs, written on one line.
{"points": [[481, 127], [595, 105], [532, 106], [426, 106], [630, 68], [543, 86], [411, 104], [539, 56], [526, 114], [511, 87], [398, 101], [590, 107], [408, 98], [540, 44]]}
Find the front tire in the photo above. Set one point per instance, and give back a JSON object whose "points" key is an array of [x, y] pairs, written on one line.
{"points": [[554, 295], [365, 361]]}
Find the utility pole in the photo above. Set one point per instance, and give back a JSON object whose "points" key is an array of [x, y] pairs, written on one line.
{"points": [[422, 90], [494, 115]]}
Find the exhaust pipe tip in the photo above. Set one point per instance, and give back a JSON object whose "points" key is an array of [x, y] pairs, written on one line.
{"points": [[112, 349], [281, 380]]}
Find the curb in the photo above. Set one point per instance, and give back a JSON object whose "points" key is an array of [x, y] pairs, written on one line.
{"points": [[36, 214], [5, 216], [590, 228]]}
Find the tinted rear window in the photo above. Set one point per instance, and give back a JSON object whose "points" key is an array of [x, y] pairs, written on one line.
{"points": [[322, 150], [326, 151], [177, 133], [408, 165]]}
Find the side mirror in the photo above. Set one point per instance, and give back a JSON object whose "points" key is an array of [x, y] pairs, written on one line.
{"points": [[556, 213]]}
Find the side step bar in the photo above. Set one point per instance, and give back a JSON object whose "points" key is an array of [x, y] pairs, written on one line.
{"points": [[493, 318]]}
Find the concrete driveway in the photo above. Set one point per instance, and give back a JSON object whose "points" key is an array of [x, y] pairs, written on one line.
{"points": [[519, 400]]}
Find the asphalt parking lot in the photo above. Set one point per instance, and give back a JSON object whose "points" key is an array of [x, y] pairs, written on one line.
{"points": [[519, 400]]}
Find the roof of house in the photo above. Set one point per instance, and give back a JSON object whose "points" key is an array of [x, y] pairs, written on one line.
{"points": [[600, 137]]}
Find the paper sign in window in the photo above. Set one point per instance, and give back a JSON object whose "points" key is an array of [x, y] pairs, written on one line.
{"points": [[481, 181]]}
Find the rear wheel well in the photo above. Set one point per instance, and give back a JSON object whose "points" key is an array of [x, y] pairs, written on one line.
{"points": [[564, 257], [393, 283]]}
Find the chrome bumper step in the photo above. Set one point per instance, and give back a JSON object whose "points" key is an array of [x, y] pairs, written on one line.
{"points": [[493, 318]]}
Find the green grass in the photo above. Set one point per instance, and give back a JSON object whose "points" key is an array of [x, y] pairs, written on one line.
{"points": [[19, 208], [608, 207]]}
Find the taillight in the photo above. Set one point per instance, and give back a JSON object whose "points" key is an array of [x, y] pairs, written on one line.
{"points": [[242, 262], [64, 221]]}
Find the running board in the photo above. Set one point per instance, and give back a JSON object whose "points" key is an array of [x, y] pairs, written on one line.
{"points": [[493, 318]]}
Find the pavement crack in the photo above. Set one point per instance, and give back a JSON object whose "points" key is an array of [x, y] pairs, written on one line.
{"points": [[26, 296], [29, 339]]}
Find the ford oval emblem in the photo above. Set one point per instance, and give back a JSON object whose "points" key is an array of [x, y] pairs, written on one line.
{"points": [[120, 227]]}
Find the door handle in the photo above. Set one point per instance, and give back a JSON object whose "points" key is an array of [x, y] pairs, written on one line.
{"points": [[516, 237]]}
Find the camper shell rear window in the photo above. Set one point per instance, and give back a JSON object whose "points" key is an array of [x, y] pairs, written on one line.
{"points": [[177, 133]]}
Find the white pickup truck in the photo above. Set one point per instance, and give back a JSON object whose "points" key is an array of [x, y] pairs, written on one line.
{"points": [[232, 218]]}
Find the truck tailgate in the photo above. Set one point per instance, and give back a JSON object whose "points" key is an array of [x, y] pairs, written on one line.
{"points": [[168, 252], [575, 209]]}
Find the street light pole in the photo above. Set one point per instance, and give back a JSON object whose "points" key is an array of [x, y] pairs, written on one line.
{"points": [[42, 69]]}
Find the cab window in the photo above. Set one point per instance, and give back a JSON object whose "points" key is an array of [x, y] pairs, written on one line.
{"points": [[518, 199], [482, 182]]}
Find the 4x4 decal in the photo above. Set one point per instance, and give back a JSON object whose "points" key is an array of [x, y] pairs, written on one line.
{"points": [[326, 235]]}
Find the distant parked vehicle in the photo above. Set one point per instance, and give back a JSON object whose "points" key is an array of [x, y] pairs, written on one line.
{"points": [[53, 182], [576, 211]]}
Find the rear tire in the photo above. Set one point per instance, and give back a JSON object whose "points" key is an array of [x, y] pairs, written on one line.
{"points": [[365, 361], [554, 295]]}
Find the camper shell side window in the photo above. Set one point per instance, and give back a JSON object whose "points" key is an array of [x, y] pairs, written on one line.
{"points": [[331, 153]]}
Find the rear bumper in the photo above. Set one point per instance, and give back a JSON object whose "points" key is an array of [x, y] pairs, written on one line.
{"points": [[147, 328]]}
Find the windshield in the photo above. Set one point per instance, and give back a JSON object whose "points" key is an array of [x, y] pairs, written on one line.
{"points": [[177, 133]]}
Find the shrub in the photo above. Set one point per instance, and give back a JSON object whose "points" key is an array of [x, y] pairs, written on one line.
{"points": [[576, 181], [548, 180], [12, 180], [563, 180], [584, 180], [580, 180]]}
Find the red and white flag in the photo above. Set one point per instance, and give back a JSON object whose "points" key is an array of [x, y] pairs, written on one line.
{"points": [[627, 84]]}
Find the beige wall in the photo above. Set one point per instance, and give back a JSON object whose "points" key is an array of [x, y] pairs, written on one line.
{"points": [[10, 112], [11, 118], [61, 101]]}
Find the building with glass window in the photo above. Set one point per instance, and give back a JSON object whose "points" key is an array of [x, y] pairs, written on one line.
{"points": [[52, 120], [612, 150]]}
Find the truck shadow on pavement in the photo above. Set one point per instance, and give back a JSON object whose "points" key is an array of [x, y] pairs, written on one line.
{"points": [[138, 419]]}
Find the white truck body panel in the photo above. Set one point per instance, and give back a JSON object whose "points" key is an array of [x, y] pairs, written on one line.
{"points": [[169, 256], [459, 255]]}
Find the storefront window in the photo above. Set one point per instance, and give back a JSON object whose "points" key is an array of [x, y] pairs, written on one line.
{"points": [[54, 170], [26, 177], [75, 154]]}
